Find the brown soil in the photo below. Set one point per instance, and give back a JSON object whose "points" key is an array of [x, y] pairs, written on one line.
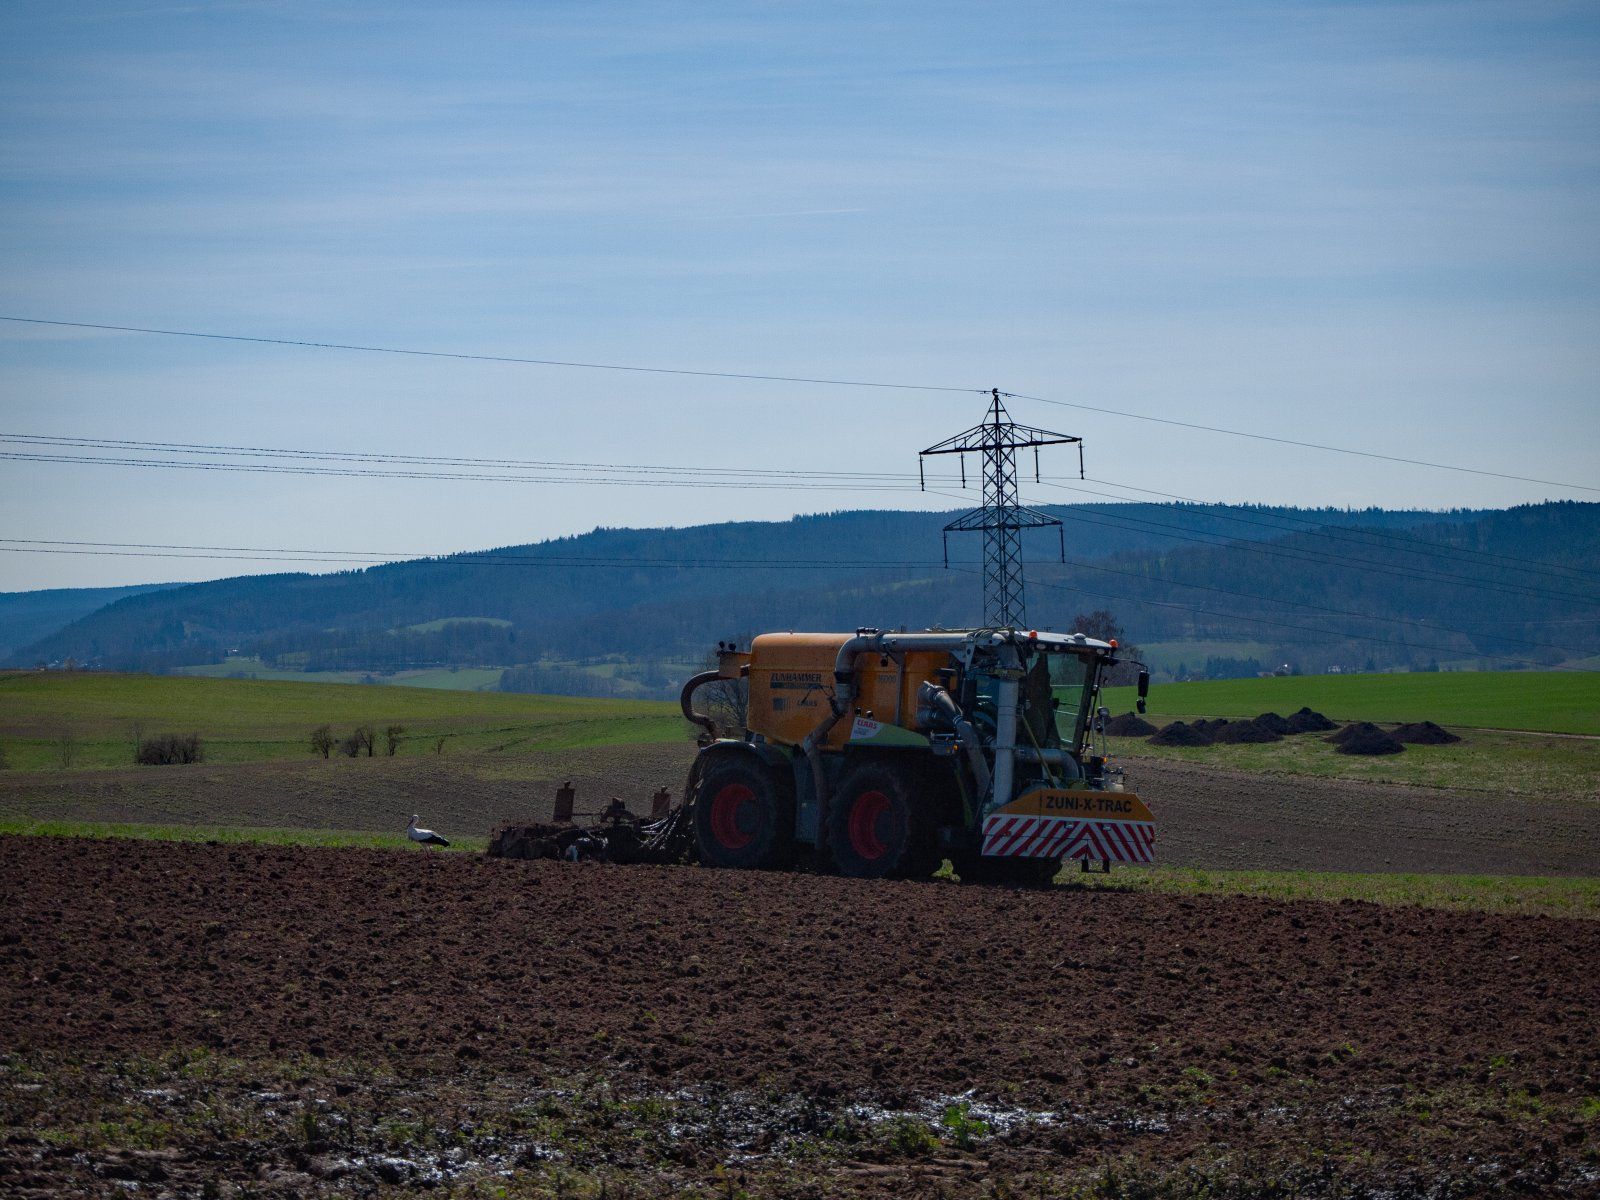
{"points": [[1423, 733], [1308, 721], [1180, 734], [1214, 817], [1363, 737], [1129, 725], [1169, 1025], [1272, 721], [1237, 732]]}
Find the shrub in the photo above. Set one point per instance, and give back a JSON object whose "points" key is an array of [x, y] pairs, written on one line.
{"points": [[170, 749], [361, 739], [322, 740], [391, 738]]}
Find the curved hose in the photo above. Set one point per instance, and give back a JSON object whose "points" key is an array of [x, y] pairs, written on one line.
{"points": [[686, 702]]}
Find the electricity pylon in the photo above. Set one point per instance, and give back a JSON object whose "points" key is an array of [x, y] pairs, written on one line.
{"points": [[1002, 517]]}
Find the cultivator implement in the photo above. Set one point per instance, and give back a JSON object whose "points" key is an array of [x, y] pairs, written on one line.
{"points": [[615, 834]]}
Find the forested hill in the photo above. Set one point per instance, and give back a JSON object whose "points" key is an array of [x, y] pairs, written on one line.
{"points": [[1300, 580], [28, 616]]}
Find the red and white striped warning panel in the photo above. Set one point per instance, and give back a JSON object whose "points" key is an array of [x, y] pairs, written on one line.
{"points": [[1077, 823]]}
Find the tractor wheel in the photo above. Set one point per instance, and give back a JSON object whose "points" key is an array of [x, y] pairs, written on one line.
{"points": [[743, 816], [1007, 872], [876, 828]]}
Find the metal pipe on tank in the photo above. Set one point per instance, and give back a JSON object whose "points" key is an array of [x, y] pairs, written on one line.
{"points": [[1008, 682]]}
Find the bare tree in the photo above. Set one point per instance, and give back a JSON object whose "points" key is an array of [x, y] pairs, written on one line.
{"points": [[322, 740], [1103, 624], [726, 701], [391, 738], [66, 747]]}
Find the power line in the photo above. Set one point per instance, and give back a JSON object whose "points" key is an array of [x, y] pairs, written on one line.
{"points": [[1292, 603], [1283, 441], [1326, 633], [1249, 545], [493, 358], [1330, 531], [409, 557], [236, 553], [357, 456], [1353, 534], [1294, 554], [480, 477], [772, 378], [1338, 612], [1344, 533]]}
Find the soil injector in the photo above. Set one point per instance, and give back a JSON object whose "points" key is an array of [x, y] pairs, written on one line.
{"points": [[882, 754]]}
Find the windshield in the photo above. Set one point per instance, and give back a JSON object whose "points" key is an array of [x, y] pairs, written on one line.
{"points": [[1069, 680], [1053, 698]]}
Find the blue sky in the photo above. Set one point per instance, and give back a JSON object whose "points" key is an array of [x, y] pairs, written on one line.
{"points": [[1371, 225]]}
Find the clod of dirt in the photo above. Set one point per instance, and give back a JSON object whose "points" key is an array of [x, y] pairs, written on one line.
{"points": [[1179, 734], [1309, 721], [1424, 733], [1363, 737], [1239, 732], [1129, 725], [1272, 721]]}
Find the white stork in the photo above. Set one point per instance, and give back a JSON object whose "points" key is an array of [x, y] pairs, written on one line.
{"points": [[426, 836]]}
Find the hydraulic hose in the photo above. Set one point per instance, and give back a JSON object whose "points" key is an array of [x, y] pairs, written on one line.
{"points": [[686, 701]]}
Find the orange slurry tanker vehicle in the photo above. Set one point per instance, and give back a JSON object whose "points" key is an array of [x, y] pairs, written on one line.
{"points": [[882, 755]]}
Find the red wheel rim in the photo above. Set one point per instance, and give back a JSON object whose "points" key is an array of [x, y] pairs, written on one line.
{"points": [[725, 810], [865, 813]]}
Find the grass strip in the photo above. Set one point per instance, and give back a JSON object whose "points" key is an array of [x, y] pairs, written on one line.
{"points": [[1550, 895], [231, 835]]}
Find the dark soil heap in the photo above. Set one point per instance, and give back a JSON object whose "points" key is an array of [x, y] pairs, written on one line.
{"points": [[1236, 732], [1129, 725], [1272, 721], [1307, 721], [1363, 737], [1179, 734], [1424, 733], [1209, 725]]}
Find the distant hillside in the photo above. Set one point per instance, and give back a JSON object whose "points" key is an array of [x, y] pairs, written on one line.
{"points": [[663, 596], [29, 616]]}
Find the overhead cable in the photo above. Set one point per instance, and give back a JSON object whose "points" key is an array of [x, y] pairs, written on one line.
{"points": [[492, 358]]}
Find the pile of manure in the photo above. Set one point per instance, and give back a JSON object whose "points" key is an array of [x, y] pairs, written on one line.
{"points": [[1245, 732], [1307, 721], [1363, 737], [1179, 734], [1424, 733], [1129, 725], [1272, 721]]}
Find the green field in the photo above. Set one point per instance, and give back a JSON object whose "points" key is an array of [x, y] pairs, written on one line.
{"points": [[1547, 701], [87, 720], [462, 679]]}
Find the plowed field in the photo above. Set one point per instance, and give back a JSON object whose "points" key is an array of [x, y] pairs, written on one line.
{"points": [[840, 1035]]}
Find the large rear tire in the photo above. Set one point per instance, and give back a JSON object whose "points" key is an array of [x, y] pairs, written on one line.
{"points": [[743, 815], [877, 828]]}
